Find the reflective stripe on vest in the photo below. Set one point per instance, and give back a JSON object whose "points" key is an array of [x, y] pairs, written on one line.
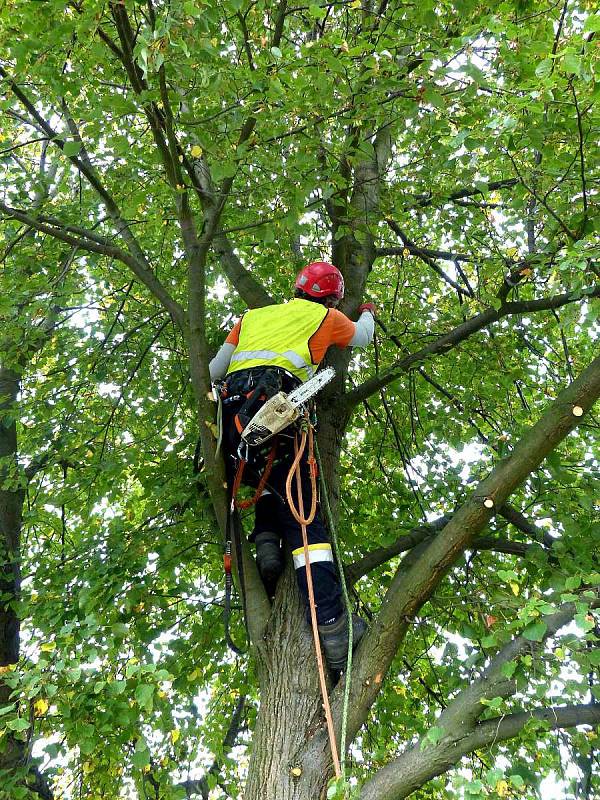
{"points": [[279, 336], [271, 356]]}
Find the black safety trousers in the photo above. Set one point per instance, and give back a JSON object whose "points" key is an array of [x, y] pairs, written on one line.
{"points": [[273, 514]]}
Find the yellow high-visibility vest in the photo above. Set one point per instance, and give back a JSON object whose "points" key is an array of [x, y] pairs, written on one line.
{"points": [[279, 336]]}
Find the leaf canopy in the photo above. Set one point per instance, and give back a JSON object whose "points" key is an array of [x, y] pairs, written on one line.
{"points": [[444, 154]]}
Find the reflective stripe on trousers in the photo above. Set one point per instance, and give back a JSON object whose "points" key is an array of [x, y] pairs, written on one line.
{"points": [[316, 553]]}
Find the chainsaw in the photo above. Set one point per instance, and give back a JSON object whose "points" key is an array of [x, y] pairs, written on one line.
{"points": [[282, 409]]}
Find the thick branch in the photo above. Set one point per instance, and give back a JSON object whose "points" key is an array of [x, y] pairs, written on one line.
{"points": [[410, 590], [160, 121], [415, 767], [502, 728], [498, 545], [375, 558], [464, 710], [93, 243], [447, 341], [279, 23], [462, 733], [445, 255], [516, 518], [380, 555], [249, 289], [469, 191]]}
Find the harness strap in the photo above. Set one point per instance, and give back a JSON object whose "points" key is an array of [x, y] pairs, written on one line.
{"points": [[245, 504]]}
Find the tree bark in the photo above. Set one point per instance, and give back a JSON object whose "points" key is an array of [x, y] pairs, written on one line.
{"points": [[290, 758], [354, 254], [11, 503], [12, 495]]}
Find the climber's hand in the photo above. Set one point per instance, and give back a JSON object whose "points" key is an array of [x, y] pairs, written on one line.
{"points": [[368, 307]]}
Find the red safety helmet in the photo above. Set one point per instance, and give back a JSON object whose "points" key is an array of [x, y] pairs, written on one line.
{"points": [[321, 279]]}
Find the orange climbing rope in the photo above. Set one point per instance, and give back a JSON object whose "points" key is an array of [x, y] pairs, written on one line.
{"points": [[298, 514]]}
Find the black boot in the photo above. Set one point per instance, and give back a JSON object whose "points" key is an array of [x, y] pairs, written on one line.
{"points": [[269, 559], [334, 638]]}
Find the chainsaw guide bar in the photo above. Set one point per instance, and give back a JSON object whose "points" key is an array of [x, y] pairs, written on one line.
{"points": [[283, 409]]}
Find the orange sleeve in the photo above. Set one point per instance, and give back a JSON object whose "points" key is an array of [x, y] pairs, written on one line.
{"points": [[336, 328], [234, 334]]}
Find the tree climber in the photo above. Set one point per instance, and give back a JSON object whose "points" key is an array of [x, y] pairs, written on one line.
{"points": [[271, 349]]}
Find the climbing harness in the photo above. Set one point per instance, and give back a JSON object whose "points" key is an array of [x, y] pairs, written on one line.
{"points": [[237, 481]]}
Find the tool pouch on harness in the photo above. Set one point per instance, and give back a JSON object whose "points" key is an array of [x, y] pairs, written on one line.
{"points": [[268, 385]]}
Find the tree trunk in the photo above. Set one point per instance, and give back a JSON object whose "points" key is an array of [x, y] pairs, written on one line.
{"points": [[12, 496], [290, 758], [331, 426], [11, 504]]}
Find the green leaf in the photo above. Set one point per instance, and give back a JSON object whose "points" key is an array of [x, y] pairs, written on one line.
{"points": [[144, 694], [457, 140], [509, 668], [585, 621], [18, 724], [87, 746], [434, 98], [592, 24], [71, 148], [140, 758], [317, 12], [535, 631], [432, 737], [493, 776], [544, 68], [572, 63], [593, 656], [268, 234]]}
